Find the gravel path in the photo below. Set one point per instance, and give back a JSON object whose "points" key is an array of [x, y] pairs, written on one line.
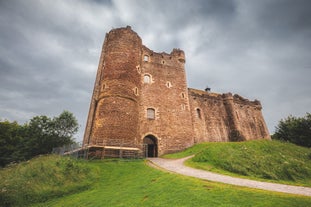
{"points": [[177, 166]]}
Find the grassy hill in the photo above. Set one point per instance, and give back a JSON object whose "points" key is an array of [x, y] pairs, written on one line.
{"points": [[261, 159], [58, 181], [43, 178]]}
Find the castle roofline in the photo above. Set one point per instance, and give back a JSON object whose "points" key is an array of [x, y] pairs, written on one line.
{"points": [[176, 54], [127, 28], [203, 93], [237, 98], [173, 52]]}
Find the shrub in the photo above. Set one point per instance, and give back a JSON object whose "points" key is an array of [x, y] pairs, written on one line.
{"points": [[295, 130]]}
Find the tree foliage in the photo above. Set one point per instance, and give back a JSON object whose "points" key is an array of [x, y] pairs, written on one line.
{"points": [[296, 130], [11, 142], [39, 136]]}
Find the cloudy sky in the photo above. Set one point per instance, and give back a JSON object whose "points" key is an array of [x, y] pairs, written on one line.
{"points": [[49, 50]]}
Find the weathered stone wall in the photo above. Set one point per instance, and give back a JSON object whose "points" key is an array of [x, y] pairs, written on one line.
{"points": [[167, 94], [250, 119], [223, 117], [115, 103], [209, 115]]}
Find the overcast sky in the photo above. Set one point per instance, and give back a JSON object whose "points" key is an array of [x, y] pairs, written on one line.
{"points": [[49, 50]]}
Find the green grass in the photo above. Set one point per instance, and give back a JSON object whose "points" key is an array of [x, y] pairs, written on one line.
{"points": [[61, 181], [133, 183], [189, 151], [43, 178], [264, 160]]}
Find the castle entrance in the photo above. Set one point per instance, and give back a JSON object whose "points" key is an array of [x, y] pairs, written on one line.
{"points": [[150, 146]]}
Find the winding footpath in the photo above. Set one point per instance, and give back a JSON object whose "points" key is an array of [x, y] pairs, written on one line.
{"points": [[177, 166]]}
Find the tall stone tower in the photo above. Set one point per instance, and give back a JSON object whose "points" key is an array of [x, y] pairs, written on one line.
{"points": [[113, 114]]}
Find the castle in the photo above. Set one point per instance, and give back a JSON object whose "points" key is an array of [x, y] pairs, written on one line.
{"points": [[141, 103]]}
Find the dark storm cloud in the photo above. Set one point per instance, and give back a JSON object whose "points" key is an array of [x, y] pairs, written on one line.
{"points": [[285, 17], [49, 50], [45, 54]]}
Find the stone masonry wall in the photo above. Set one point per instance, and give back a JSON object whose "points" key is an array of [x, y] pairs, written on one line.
{"points": [[224, 117], [249, 116], [115, 112], [212, 124], [167, 94]]}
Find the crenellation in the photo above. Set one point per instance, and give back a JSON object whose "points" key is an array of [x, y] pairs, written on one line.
{"points": [[174, 59]]}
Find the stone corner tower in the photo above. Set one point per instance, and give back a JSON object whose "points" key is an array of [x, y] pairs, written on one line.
{"points": [[113, 114]]}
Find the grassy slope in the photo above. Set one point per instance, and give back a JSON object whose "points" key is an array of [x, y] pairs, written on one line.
{"points": [[272, 160], [43, 178], [135, 184], [60, 181]]}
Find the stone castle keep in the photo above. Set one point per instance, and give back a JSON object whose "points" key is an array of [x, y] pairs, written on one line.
{"points": [[141, 103]]}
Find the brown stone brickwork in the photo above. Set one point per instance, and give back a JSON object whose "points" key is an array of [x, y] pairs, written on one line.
{"points": [[141, 100]]}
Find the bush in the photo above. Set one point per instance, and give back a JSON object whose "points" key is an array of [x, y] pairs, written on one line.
{"points": [[295, 130]]}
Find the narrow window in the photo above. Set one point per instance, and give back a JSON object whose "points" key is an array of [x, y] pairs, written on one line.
{"points": [[199, 113], [168, 84], [146, 58], [136, 91], [138, 68], [182, 95], [147, 79], [150, 113]]}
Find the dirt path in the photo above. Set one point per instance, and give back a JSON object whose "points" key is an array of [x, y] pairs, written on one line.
{"points": [[177, 166]]}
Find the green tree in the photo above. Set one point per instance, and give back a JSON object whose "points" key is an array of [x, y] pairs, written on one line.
{"points": [[11, 142], [45, 133], [39, 136], [296, 130], [65, 126]]}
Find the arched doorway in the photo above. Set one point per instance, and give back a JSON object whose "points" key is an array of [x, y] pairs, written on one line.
{"points": [[150, 146]]}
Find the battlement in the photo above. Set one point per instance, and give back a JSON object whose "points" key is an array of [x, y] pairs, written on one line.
{"points": [[175, 58], [240, 100], [203, 94], [237, 99], [122, 30]]}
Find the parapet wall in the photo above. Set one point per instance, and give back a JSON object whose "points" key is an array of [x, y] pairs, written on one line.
{"points": [[174, 59]]}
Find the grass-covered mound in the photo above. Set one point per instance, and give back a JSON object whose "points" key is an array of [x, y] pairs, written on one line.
{"points": [[43, 178], [261, 159], [123, 183]]}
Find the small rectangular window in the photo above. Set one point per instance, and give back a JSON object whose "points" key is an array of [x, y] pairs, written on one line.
{"points": [[150, 113], [146, 58], [146, 79]]}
